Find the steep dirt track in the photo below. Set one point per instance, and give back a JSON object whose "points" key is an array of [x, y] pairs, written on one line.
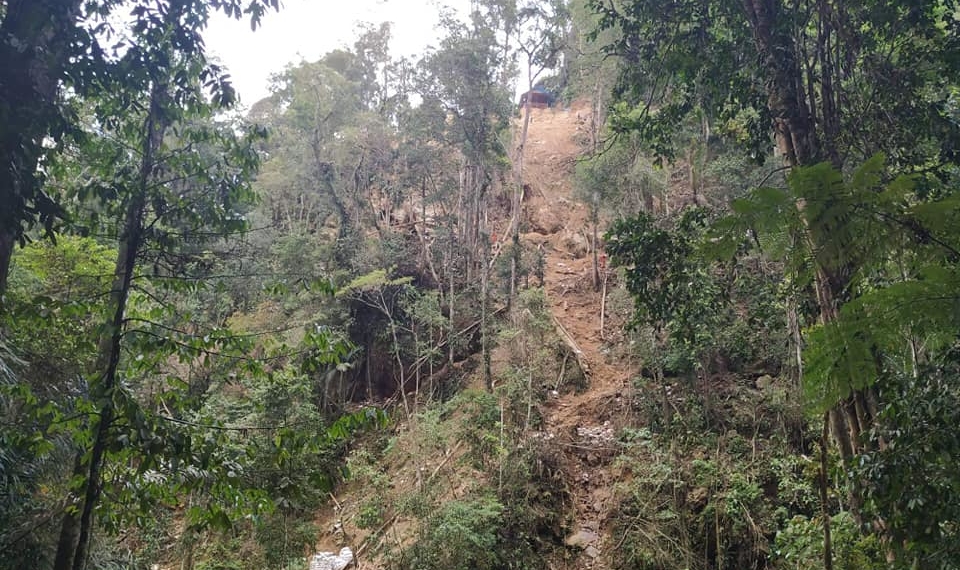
{"points": [[582, 422]]}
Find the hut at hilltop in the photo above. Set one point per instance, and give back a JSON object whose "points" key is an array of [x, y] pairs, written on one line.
{"points": [[539, 97]]}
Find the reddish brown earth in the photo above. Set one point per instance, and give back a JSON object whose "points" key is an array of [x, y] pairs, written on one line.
{"points": [[583, 423]]}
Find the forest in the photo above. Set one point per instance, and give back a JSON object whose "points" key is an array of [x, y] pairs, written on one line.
{"points": [[693, 303]]}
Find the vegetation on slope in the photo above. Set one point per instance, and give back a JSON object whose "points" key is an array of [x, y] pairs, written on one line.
{"points": [[199, 371]]}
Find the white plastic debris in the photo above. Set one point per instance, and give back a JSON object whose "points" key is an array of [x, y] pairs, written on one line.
{"points": [[331, 561]]}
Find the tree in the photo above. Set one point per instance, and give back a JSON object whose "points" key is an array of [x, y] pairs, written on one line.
{"points": [[50, 320], [48, 46], [305, 181], [674, 292], [168, 182], [814, 75], [880, 341], [586, 68], [541, 28], [812, 71], [462, 79], [34, 52], [383, 295]]}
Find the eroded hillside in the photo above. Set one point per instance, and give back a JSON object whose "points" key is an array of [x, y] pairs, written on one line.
{"points": [[582, 422], [582, 397]]}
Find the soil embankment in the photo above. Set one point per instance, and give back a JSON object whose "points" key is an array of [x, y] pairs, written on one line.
{"points": [[583, 422]]}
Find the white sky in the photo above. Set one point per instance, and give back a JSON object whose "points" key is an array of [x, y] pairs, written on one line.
{"points": [[307, 29]]}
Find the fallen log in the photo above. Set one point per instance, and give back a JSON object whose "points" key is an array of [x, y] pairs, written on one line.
{"points": [[574, 348]]}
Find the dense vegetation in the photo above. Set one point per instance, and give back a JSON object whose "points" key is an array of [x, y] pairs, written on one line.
{"points": [[207, 321]]}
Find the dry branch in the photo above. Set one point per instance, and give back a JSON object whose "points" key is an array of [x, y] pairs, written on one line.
{"points": [[567, 339], [393, 520]]}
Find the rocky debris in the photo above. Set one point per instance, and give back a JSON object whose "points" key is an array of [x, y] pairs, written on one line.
{"points": [[331, 561], [582, 538], [544, 221], [575, 420], [536, 239], [544, 435], [597, 435]]}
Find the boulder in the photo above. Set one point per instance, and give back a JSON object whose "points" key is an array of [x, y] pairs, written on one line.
{"points": [[582, 538], [764, 382], [544, 221], [576, 244]]}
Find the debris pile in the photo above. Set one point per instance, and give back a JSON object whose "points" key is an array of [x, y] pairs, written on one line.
{"points": [[331, 561]]}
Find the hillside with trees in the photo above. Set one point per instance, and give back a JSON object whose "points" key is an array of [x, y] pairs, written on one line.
{"points": [[701, 312]]}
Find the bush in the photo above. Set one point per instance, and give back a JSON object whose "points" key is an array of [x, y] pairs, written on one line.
{"points": [[462, 535], [799, 546], [480, 428]]}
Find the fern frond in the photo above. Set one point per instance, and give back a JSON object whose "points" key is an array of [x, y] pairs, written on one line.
{"points": [[838, 359], [841, 356]]}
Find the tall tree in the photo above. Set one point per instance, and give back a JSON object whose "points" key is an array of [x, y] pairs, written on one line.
{"points": [[47, 46], [34, 52], [541, 33], [815, 71], [462, 79], [816, 76], [168, 184]]}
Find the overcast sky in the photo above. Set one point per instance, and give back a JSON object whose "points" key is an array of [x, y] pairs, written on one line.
{"points": [[307, 29]]}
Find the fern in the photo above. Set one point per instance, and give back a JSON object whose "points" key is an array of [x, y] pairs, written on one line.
{"points": [[895, 255], [374, 280], [838, 359]]}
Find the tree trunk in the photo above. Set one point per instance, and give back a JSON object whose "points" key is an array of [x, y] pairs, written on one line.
{"points": [[7, 242], [109, 347], [797, 140], [795, 341], [484, 332], [463, 221], [450, 310], [515, 265], [595, 221], [824, 506], [70, 525], [794, 129], [369, 374], [596, 116], [518, 188], [35, 38], [402, 382]]}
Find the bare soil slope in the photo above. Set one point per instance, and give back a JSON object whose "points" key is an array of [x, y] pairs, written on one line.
{"points": [[583, 422], [580, 421]]}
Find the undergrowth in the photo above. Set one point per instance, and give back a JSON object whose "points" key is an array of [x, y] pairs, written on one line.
{"points": [[738, 495]]}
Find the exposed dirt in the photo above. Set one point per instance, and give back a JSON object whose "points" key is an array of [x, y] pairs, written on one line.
{"points": [[584, 423], [583, 420]]}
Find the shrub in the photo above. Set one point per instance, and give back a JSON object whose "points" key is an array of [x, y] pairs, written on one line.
{"points": [[462, 535], [799, 546]]}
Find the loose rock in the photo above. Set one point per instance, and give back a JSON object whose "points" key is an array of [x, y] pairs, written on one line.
{"points": [[581, 539]]}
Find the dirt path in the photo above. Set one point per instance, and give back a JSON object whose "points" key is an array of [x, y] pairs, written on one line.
{"points": [[584, 423]]}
